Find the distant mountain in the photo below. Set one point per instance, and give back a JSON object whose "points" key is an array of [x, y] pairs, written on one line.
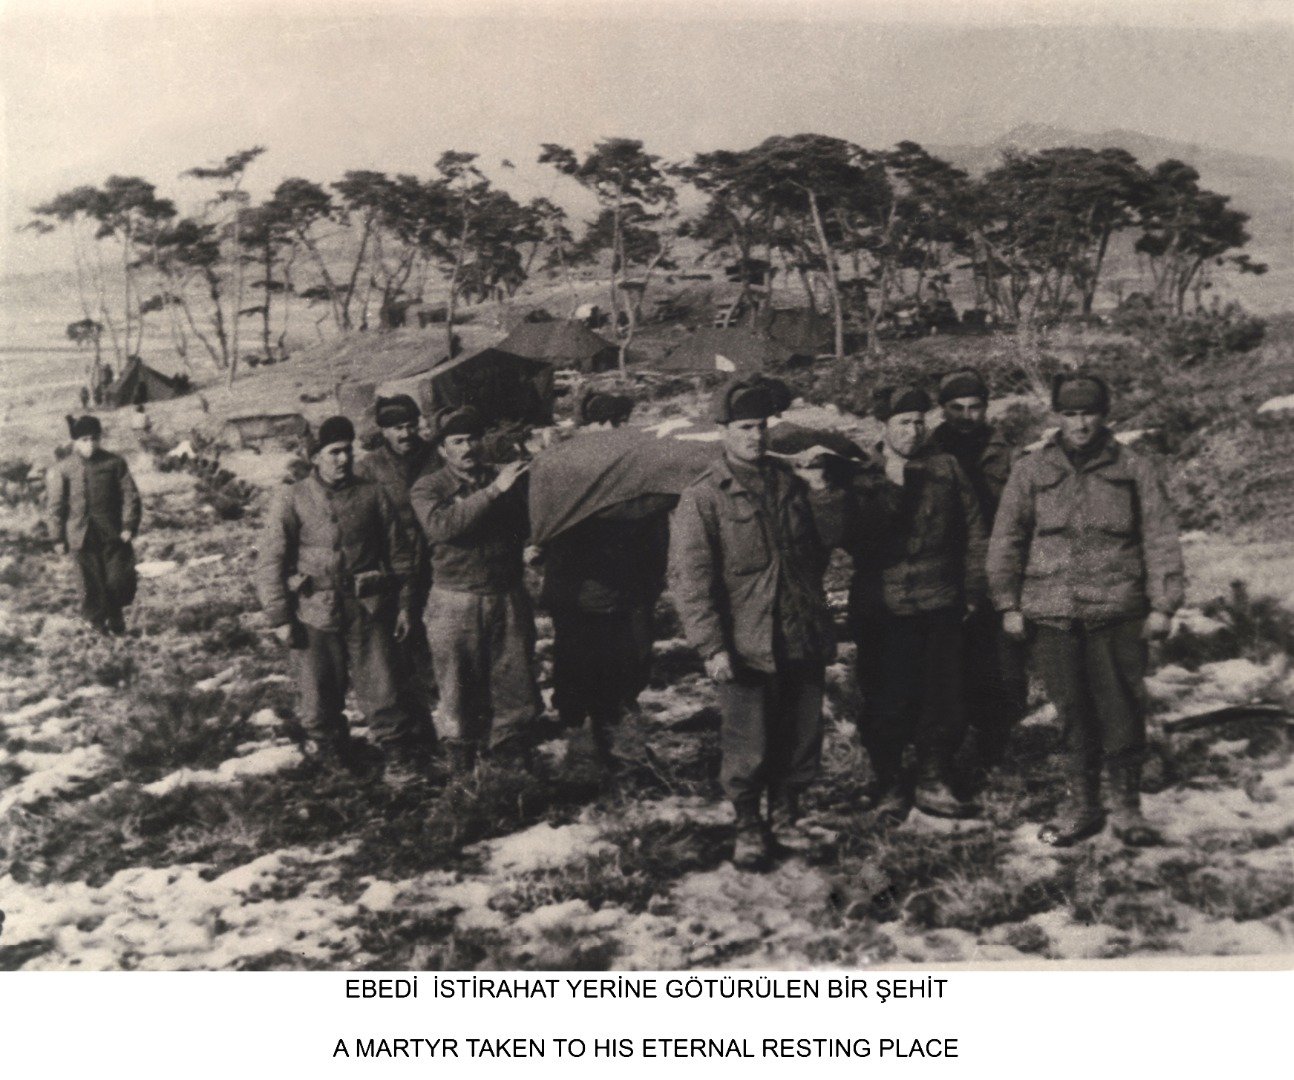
{"points": [[1262, 187]]}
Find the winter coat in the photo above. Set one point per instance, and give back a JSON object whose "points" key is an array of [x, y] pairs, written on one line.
{"points": [[985, 457], [736, 573], [396, 474], [1096, 543], [320, 545], [477, 535], [917, 547], [94, 499]]}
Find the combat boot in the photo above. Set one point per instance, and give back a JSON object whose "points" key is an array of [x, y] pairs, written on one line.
{"points": [[462, 756], [750, 843], [935, 797], [1127, 821], [1080, 814]]}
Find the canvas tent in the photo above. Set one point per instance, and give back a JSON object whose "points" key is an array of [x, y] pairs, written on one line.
{"points": [[500, 385], [730, 351], [140, 384], [798, 329], [564, 343]]}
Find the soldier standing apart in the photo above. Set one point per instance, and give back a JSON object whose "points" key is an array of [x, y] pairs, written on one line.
{"points": [[479, 619], [602, 579], [996, 686], [1085, 559], [914, 584], [746, 568], [333, 578], [94, 512], [403, 457]]}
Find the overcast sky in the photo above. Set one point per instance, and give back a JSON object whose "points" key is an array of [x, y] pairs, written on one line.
{"points": [[95, 88]]}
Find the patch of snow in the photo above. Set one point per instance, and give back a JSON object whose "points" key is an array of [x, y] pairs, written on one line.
{"points": [[205, 560], [221, 678], [268, 469], [1197, 623], [1285, 403], [542, 847], [36, 711], [156, 568], [51, 774], [1239, 681], [262, 762]]}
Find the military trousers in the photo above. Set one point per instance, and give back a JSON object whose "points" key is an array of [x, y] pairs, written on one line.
{"points": [[771, 732], [108, 581], [1094, 675], [995, 682], [601, 662], [357, 656], [910, 675], [482, 646], [415, 673]]}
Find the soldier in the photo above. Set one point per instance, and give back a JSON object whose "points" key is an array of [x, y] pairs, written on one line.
{"points": [[334, 579], [479, 619], [916, 577], [602, 579], [403, 457], [94, 511], [746, 567], [1085, 559], [996, 684]]}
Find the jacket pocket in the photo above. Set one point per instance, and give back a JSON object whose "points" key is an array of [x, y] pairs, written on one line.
{"points": [[745, 551], [1053, 504], [1112, 505]]}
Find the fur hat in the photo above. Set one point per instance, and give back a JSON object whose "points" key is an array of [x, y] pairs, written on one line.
{"points": [[754, 398], [333, 430], [599, 408], [464, 420], [81, 426], [392, 411], [893, 400], [1076, 390], [966, 382]]}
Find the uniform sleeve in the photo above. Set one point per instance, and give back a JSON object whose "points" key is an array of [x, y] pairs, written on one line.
{"points": [[131, 506], [996, 470], [694, 576], [1161, 547], [443, 517], [976, 538], [400, 551], [1008, 547], [276, 558], [56, 507]]}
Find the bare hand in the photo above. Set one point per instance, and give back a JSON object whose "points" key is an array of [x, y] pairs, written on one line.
{"points": [[719, 667], [509, 474], [402, 626], [1013, 625], [1157, 626], [813, 475], [283, 634], [64, 548], [125, 536]]}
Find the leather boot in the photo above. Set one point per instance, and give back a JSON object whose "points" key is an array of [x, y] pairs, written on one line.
{"points": [[1080, 814], [935, 797], [1127, 821], [750, 843], [462, 756]]}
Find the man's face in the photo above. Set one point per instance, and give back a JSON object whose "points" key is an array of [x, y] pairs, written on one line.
{"points": [[402, 438], [334, 461], [746, 440], [461, 452], [966, 414], [905, 432], [86, 445], [1079, 427]]}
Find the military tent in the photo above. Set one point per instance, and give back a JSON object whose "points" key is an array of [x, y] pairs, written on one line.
{"points": [[734, 350], [798, 329], [140, 384], [564, 343], [500, 385]]}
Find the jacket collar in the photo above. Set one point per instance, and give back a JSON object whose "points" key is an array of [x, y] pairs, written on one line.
{"points": [[1053, 452], [728, 479]]}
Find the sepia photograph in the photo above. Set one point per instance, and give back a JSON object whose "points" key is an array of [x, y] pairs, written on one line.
{"points": [[587, 486]]}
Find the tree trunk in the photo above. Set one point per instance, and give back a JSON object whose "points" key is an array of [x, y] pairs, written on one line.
{"points": [[833, 283]]}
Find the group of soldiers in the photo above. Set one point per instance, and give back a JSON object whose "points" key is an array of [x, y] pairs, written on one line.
{"points": [[402, 577]]}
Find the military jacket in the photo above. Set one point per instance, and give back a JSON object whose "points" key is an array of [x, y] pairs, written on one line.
{"points": [[94, 500], [1096, 543]]}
